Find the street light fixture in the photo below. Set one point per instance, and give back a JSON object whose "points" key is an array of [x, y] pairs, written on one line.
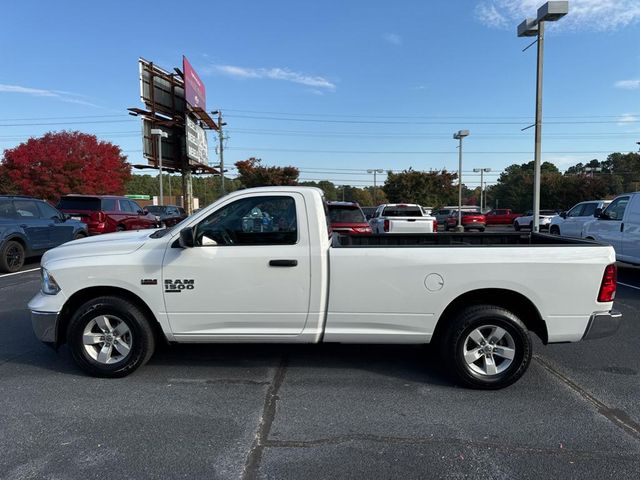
{"points": [[549, 12], [459, 136], [161, 134], [375, 171], [482, 170]]}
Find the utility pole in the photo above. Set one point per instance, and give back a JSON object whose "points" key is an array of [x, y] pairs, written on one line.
{"points": [[459, 135], [221, 151], [482, 170], [375, 171]]}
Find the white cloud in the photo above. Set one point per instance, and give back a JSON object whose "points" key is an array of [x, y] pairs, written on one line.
{"points": [[628, 84], [627, 118], [276, 73], [67, 97], [393, 38], [599, 15]]}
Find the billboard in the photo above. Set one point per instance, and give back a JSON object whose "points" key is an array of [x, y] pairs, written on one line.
{"points": [[171, 153], [197, 147], [194, 91], [161, 91]]}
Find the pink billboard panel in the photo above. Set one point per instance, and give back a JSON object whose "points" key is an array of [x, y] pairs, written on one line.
{"points": [[194, 92]]}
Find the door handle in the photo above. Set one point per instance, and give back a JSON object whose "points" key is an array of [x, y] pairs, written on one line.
{"points": [[283, 263], [622, 227]]}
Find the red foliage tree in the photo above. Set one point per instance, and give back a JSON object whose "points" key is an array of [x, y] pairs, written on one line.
{"points": [[59, 163]]}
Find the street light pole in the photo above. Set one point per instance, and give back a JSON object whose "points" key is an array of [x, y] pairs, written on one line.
{"points": [[160, 134], [482, 170], [375, 171], [549, 12], [459, 136]]}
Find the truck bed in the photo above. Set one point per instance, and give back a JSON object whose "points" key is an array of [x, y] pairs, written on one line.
{"points": [[455, 239]]}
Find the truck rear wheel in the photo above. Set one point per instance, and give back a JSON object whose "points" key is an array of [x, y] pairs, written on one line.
{"points": [[487, 347], [110, 337]]}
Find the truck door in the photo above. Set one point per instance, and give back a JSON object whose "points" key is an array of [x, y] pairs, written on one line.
{"points": [[631, 231], [249, 272]]}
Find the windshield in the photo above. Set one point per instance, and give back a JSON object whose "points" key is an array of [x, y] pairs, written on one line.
{"points": [[79, 203], [398, 211]]}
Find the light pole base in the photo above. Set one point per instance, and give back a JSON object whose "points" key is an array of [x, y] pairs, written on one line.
{"points": [[459, 229]]}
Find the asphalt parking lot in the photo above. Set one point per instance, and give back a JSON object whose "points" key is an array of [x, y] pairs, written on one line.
{"points": [[317, 411]]}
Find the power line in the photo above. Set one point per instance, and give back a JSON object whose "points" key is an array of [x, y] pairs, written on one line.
{"points": [[377, 152], [64, 123]]}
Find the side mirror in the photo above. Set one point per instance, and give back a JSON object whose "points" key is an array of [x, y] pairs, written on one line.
{"points": [[597, 213], [563, 214], [142, 212], [186, 238]]}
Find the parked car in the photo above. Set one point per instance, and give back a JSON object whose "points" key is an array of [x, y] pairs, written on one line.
{"points": [[368, 212], [167, 215], [619, 226], [107, 213], [470, 221], [477, 302], [402, 218], [347, 217], [442, 213], [29, 227], [526, 221], [501, 216], [570, 223]]}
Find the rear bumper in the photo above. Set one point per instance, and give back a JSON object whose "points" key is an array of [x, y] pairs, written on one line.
{"points": [[45, 326], [602, 324]]}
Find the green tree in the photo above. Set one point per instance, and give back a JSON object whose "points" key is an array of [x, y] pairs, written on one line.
{"points": [[252, 174], [424, 188]]}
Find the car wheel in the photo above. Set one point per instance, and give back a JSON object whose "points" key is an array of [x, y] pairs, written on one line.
{"points": [[487, 347], [555, 230], [120, 228], [110, 337], [516, 226], [79, 235], [11, 257]]}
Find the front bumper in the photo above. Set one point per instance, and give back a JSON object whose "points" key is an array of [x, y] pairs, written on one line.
{"points": [[45, 326], [602, 324]]}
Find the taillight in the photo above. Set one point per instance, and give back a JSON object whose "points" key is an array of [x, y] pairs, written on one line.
{"points": [[361, 229], [435, 225], [386, 226], [99, 217], [609, 284]]}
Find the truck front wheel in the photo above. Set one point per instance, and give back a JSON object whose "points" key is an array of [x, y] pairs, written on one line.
{"points": [[487, 347], [110, 337]]}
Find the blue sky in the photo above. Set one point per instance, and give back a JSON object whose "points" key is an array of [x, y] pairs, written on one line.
{"points": [[335, 87]]}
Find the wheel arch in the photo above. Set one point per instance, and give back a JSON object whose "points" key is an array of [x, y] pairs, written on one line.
{"points": [[84, 295], [510, 300]]}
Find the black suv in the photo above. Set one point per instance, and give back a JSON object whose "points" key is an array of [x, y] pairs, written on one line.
{"points": [[167, 215], [29, 227]]}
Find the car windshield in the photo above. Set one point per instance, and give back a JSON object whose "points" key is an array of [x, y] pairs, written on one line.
{"points": [[79, 203], [340, 214]]}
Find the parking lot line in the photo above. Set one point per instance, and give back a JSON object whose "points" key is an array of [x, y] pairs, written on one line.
{"points": [[18, 273], [627, 285]]}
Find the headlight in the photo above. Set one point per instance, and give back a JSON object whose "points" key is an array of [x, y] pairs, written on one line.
{"points": [[49, 284]]}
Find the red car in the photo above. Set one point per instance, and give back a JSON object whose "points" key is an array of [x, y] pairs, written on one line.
{"points": [[501, 216], [347, 217], [470, 221], [107, 213]]}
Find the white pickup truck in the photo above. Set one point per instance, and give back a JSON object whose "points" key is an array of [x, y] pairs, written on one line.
{"points": [[402, 218], [259, 265]]}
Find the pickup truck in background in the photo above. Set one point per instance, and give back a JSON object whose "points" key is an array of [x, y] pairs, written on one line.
{"points": [[618, 225], [402, 218], [501, 216], [259, 265]]}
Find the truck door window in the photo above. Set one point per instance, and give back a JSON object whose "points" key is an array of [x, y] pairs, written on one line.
{"points": [[264, 220], [615, 211]]}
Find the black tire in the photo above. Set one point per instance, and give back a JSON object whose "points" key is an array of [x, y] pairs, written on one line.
{"points": [[11, 257], [120, 228], [140, 337], [554, 230], [484, 318], [516, 226], [79, 235], [531, 226]]}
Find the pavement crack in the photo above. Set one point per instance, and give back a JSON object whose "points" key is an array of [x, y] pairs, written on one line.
{"points": [[618, 417], [461, 443], [254, 457]]}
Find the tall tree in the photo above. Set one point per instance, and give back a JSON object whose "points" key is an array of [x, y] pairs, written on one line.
{"points": [[59, 163], [252, 174], [424, 188]]}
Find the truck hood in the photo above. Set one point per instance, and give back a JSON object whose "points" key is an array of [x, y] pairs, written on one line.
{"points": [[119, 243]]}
